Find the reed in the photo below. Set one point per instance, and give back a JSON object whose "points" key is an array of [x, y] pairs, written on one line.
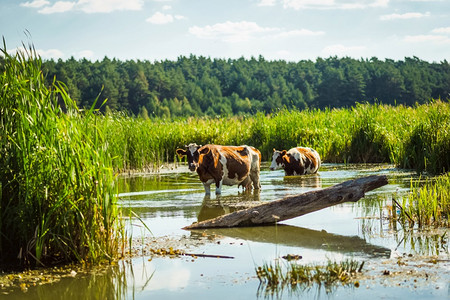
{"points": [[58, 198], [428, 146], [408, 137], [427, 204]]}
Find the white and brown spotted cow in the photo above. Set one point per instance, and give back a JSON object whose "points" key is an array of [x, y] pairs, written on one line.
{"points": [[296, 161], [224, 165]]}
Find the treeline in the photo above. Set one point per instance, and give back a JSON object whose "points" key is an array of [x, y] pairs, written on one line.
{"points": [[197, 86]]}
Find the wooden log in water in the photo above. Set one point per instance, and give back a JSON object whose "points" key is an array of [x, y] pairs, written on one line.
{"points": [[296, 205]]}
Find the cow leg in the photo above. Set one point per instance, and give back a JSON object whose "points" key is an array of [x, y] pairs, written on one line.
{"points": [[254, 176], [246, 183], [219, 187], [255, 179], [207, 187]]}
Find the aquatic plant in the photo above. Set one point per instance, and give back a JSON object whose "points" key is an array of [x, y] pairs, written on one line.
{"points": [[275, 277], [427, 203], [58, 198]]}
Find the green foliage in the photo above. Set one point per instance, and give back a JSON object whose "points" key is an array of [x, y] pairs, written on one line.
{"points": [[58, 200], [199, 86]]}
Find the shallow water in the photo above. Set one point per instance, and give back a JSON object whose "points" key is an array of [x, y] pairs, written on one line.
{"points": [[172, 199]]}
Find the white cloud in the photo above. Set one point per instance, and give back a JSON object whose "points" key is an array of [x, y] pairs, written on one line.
{"points": [[35, 3], [44, 54], [300, 32], [87, 6], [57, 7], [438, 39], [54, 53], [342, 50], [332, 4], [230, 31], [267, 2], [405, 16], [441, 30], [160, 18], [173, 278], [244, 31], [379, 3], [283, 53], [50, 53], [302, 4], [88, 54], [106, 6], [166, 7]]}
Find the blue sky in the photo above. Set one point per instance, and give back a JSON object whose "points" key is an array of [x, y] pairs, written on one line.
{"points": [[291, 30]]}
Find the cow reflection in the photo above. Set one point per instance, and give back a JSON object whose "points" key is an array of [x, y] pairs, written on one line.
{"points": [[221, 205], [306, 181]]}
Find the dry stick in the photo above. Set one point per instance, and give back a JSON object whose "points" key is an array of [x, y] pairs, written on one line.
{"points": [[297, 205], [207, 255]]}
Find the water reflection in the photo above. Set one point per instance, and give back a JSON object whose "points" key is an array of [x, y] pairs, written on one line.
{"points": [[105, 283], [422, 242], [215, 207], [294, 236], [220, 205], [313, 181]]}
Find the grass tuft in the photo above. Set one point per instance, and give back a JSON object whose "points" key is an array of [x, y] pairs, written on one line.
{"points": [[276, 277], [427, 204]]}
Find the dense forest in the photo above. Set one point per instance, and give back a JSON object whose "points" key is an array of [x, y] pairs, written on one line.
{"points": [[204, 86]]}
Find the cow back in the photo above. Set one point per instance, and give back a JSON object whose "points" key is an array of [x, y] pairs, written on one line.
{"points": [[236, 161], [228, 163], [310, 160]]}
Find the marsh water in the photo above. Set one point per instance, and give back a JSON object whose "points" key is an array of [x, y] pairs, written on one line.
{"points": [[174, 198]]}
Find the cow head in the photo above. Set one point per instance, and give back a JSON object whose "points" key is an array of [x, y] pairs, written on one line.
{"points": [[277, 159], [192, 154]]}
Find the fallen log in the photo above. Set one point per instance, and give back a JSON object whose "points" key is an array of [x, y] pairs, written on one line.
{"points": [[296, 205]]}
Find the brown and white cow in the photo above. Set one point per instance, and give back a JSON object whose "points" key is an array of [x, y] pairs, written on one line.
{"points": [[224, 165], [296, 161]]}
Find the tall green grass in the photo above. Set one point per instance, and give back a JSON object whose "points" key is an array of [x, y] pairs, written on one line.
{"points": [[58, 198], [427, 204], [410, 137], [428, 145]]}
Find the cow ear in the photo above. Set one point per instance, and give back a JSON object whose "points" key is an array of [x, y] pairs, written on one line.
{"points": [[181, 153], [283, 153], [205, 150]]}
